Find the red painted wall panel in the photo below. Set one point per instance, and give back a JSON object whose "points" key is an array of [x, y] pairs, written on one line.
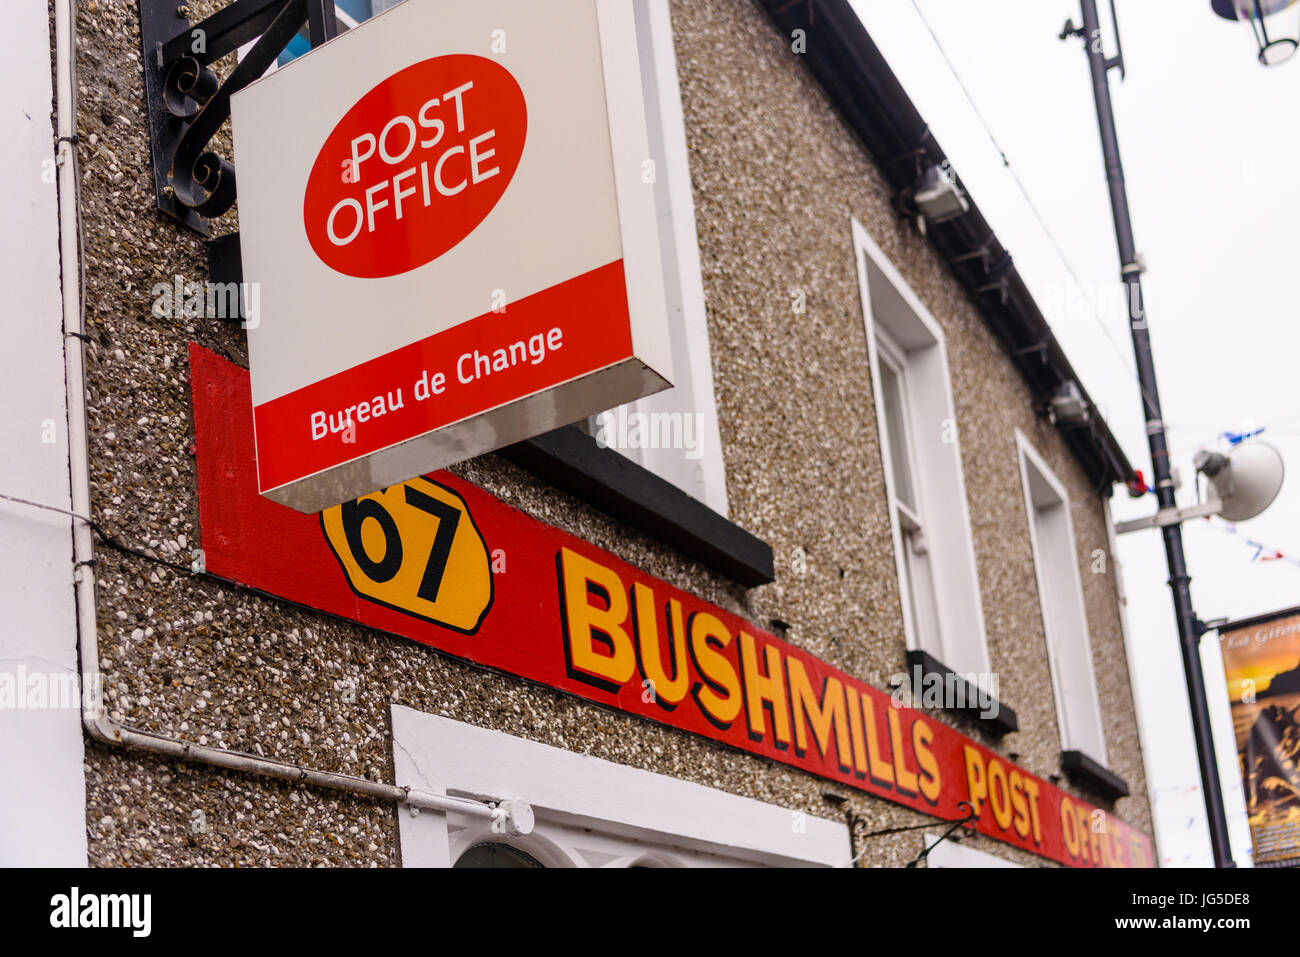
{"points": [[564, 613]]}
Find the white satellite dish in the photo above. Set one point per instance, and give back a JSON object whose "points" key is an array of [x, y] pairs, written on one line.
{"points": [[1246, 480]]}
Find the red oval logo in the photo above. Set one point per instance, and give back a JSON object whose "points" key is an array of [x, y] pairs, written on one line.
{"points": [[415, 166]]}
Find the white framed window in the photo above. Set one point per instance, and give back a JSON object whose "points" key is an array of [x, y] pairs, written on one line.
{"points": [[588, 812], [673, 433], [929, 516], [1060, 595], [916, 577]]}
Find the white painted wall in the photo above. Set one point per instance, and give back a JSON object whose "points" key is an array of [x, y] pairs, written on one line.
{"points": [[42, 785]]}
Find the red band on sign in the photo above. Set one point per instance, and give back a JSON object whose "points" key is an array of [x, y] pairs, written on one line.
{"points": [[569, 330], [516, 595]]}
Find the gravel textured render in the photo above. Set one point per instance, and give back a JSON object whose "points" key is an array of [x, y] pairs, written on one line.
{"points": [[776, 177]]}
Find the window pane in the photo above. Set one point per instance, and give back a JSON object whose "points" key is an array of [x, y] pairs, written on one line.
{"points": [[1065, 620], [908, 588], [358, 10], [895, 428], [496, 855], [924, 601]]}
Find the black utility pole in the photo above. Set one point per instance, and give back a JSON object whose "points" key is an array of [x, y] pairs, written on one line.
{"points": [[1189, 631]]}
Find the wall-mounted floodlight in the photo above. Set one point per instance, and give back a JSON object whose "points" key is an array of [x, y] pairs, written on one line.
{"points": [[938, 198], [1067, 406]]}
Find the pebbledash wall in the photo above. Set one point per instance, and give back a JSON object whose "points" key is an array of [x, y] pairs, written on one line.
{"points": [[777, 179]]}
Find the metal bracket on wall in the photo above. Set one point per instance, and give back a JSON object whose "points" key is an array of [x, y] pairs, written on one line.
{"points": [[1109, 63], [187, 103], [965, 823], [1040, 348], [999, 275], [983, 254]]}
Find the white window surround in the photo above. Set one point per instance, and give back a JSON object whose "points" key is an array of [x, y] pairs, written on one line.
{"points": [[590, 812], [951, 853], [1060, 595], [698, 471], [892, 311]]}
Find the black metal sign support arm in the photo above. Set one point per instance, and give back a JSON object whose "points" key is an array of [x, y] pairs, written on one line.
{"points": [[188, 104], [965, 823]]}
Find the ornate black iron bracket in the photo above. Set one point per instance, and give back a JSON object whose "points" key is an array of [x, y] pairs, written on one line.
{"points": [[187, 103], [966, 822]]}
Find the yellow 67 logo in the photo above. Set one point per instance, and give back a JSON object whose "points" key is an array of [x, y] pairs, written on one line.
{"points": [[414, 548]]}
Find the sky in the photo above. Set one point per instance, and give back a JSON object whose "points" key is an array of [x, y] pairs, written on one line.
{"points": [[1209, 145]]}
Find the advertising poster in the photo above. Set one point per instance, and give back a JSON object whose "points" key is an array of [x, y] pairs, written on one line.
{"points": [[1261, 658]]}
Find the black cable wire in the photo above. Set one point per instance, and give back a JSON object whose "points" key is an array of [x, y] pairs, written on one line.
{"points": [[117, 546]]}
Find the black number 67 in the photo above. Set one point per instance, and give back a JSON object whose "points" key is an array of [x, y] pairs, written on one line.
{"points": [[354, 515]]}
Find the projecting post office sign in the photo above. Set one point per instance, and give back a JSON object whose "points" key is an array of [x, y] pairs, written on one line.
{"points": [[455, 247]]}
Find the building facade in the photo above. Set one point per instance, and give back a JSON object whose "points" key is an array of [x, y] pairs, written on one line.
{"points": [[875, 454]]}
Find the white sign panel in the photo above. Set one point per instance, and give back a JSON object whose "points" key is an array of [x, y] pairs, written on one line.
{"points": [[450, 215]]}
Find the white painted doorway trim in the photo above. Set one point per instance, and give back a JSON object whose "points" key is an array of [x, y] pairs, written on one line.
{"points": [[953, 854], [673, 822]]}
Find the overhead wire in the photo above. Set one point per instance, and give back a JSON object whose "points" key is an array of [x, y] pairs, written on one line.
{"points": [[1095, 311]]}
